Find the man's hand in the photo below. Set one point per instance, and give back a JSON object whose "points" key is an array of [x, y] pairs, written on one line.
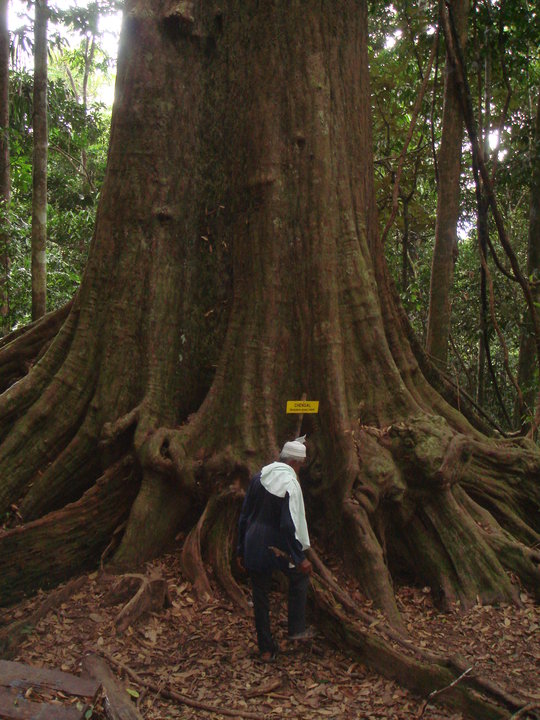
{"points": [[305, 567]]}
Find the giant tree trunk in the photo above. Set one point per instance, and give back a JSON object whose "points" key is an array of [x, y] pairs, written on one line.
{"points": [[39, 173], [448, 194], [236, 265]]}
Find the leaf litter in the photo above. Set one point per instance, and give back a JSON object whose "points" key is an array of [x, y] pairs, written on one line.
{"points": [[205, 654]]}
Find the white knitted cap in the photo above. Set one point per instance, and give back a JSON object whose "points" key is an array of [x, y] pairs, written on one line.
{"points": [[294, 449]]}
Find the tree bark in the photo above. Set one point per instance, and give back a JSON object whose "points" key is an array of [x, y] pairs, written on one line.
{"points": [[448, 195], [236, 264], [527, 350], [5, 179], [40, 153]]}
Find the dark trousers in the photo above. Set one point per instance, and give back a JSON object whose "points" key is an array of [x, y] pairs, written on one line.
{"points": [[296, 605]]}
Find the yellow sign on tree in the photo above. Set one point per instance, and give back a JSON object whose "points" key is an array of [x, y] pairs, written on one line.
{"points": [[302, 406]]}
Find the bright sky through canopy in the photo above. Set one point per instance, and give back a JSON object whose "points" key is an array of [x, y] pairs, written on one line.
{"points": [[109, 29]]}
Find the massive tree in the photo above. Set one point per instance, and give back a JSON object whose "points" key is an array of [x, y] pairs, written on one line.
{"points": [[236, 265]]}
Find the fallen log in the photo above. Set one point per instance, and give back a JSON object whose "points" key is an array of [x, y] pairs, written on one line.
{"points": [[118, 705], [21, 677], [15, 707]]}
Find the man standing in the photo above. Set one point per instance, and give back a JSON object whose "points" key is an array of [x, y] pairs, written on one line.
{"points": [[273, 535]]}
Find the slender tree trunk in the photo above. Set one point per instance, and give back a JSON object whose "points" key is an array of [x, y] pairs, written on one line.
{"points": [[527, 351], [482, 229], [405, 246], [448, 195], [39, 187], [5, 183], [89, 53]]}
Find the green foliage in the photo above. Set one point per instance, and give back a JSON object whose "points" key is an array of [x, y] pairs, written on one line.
{"points": [[503, 36], [401, 37], [73, 189]]}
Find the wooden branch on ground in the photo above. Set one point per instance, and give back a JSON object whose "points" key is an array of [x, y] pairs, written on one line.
{"points": [[118, 705], [524, 710], [265, 689], [433, 695], [177, 697]]}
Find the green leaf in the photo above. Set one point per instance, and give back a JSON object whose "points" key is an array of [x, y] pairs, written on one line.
{"points": [[133, 693]]}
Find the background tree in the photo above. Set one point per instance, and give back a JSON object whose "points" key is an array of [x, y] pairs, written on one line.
{"points": [[82, 62], [41, 141], [504, 39], [448, 204], [527, 376], [5, 189], [236, 264], [73, 188]]}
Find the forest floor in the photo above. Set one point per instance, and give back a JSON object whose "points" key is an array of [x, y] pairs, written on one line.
{"points": [[207, 654]]}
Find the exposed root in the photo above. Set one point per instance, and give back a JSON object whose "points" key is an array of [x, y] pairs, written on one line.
{"points": [[325, 578], [70, 539], [149, 593], [393, 656], [369, 563], [55, 431], [67, 477], [215, 532], [474, 570], [22, 348], [168, 488], [513, 555], [433, 530], [192, 560], [112, 431], [23, 394], [220, 542], [160, 509], [113, 545]]}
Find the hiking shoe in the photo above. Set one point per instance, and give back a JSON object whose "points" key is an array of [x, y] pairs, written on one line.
{"points": [[308, 634], [268, 656]]}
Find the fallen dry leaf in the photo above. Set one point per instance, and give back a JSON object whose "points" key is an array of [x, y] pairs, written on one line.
{"points": [[208, 653]]}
